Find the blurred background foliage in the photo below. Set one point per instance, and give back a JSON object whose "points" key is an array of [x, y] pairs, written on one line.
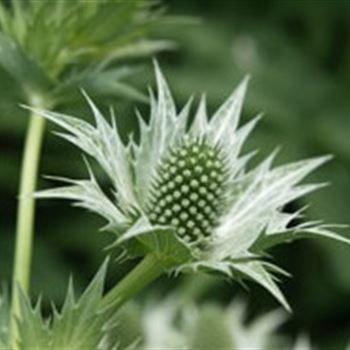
{"points": [[298, 55]]}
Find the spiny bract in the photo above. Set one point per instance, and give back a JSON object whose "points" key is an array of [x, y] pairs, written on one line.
{"points": [[184, 193]]}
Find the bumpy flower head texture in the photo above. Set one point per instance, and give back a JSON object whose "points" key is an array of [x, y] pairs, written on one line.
{"points": [[183, 192]]}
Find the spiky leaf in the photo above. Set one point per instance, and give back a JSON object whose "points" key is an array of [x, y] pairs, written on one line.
{"points": [[79, 325], [56, 45]]}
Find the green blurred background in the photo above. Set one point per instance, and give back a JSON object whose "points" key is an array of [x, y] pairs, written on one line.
{"points": [[298, 54]]}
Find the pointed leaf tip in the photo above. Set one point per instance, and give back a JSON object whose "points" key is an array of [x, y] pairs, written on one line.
{"points": [[156, 64]]}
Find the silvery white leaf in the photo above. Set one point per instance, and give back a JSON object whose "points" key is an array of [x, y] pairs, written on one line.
{"points": [[226, 119], [103, 143], [88, 194], [251, 212], [256, 271]]}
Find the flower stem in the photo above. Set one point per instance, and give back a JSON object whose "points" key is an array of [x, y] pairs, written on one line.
{"points": [[25, 214], [144, 273]]}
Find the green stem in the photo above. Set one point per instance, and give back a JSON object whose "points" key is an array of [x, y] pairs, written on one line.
{"points": [[25, 214], [144, 273]]}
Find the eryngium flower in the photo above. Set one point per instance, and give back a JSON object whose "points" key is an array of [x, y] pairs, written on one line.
{"points": [[183, 190]]}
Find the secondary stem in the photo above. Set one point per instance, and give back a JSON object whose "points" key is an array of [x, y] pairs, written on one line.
{"points": [[144, 273], [25, 214]]}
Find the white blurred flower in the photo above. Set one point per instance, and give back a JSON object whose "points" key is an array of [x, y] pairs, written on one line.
{"points": [[158, 322]]}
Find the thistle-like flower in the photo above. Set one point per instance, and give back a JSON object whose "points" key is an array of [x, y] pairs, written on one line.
{"points": [[183, 191]]}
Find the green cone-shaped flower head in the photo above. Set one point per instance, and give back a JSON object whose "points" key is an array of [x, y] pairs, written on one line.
{"points": [[183, 190], [188, 189]]}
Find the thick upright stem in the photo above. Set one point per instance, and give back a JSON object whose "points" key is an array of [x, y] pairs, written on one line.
{"points": [[25, 214], [144, 273]]}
